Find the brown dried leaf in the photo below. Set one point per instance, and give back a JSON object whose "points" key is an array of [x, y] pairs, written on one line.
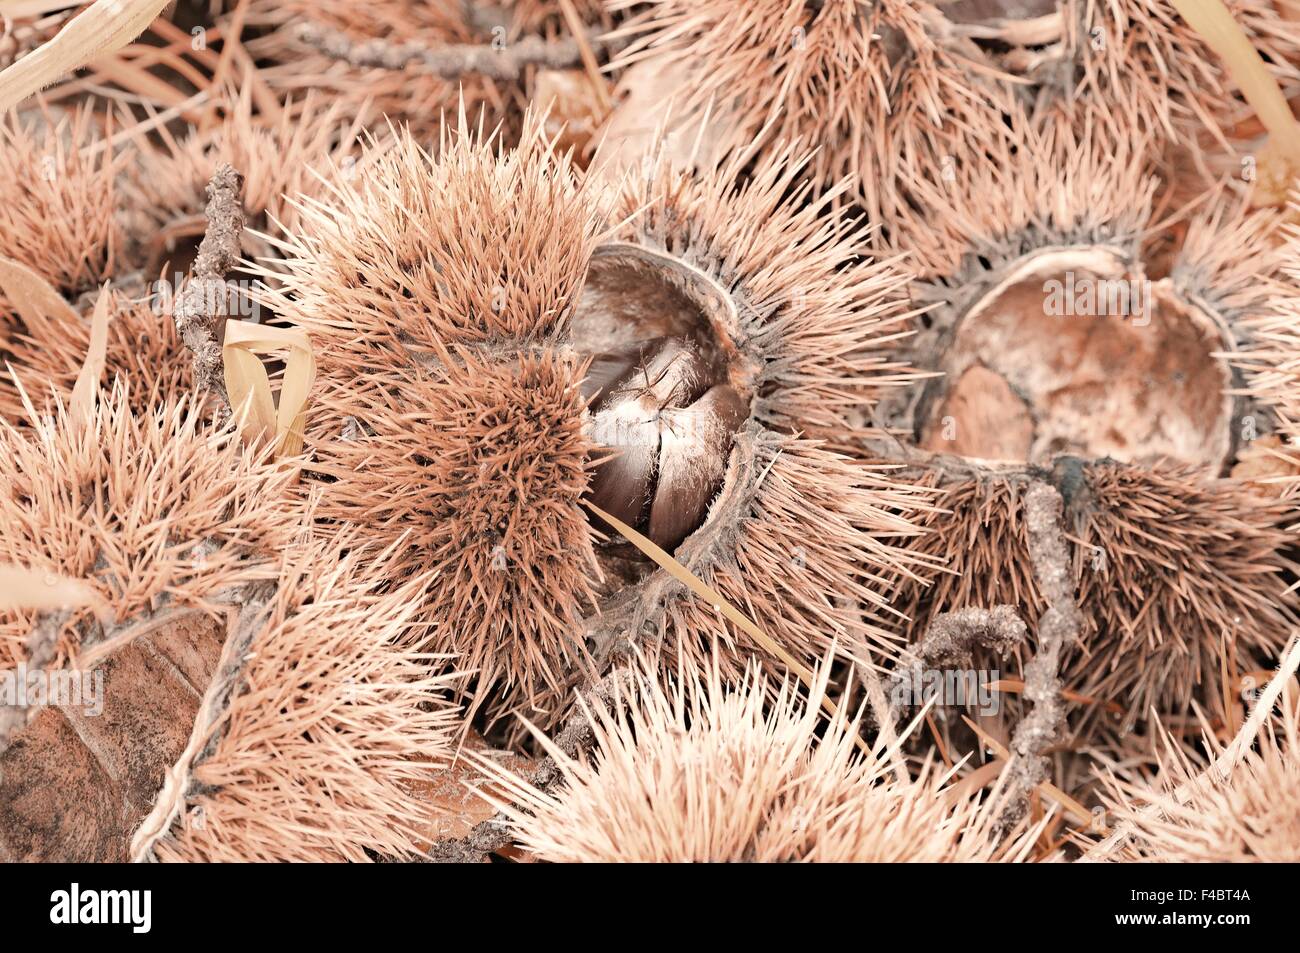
{"points": [[76, 782], [454, 806], [1265, 463], [32, 296], [652, 114], [575, 110]]}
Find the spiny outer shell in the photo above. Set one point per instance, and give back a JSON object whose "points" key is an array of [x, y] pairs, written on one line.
{"points": [[148, 509], [703, 771], [335, 716]]}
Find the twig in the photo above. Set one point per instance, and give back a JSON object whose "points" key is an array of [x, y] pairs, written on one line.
{"points": [[200, 307], [885, 719], [573, 739], [1058, 628], [450, 62], [951, 637], [244, 623]]}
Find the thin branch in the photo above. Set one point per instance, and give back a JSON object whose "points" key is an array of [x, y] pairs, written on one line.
{"points": [[885, 720], [200, 309], [950, 639], [1058, 629], [503, 62]]}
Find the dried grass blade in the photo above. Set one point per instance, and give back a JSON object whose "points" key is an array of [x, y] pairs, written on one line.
{"points": [[1223, 34], [21, 9], [249, 386], [82, 404], [1081, 814], [709, 594], [37, 590]]}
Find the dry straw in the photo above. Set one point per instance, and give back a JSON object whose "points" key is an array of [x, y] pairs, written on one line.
{"points": [[103, 27]]}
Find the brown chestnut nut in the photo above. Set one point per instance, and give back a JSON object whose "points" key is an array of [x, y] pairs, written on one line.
{"points": [[669, 427], [604, 372], [694, 445], [628, 424]]}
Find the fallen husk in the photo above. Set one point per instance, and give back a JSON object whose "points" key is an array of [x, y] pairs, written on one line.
{"points": [[280, 163], [1062, 360], [45, 353], [880, 88], [706, 771], [310, 43], [456, 302], [1145, 546], [804, 323], [179, 527], [1239, 807], [323, 723], [59, 201], [447, 415]]}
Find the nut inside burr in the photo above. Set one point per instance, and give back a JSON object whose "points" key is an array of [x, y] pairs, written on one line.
{"points": [[1071, 362], [994, 11], [1010, 22], [666, 386]]}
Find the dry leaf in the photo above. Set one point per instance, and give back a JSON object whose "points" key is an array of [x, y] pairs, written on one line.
{"points": [[574, 108], [77, 781], [653, 92], [1263, 461], [249, 386], [37, 303], [455, 808], [103, 27]]}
